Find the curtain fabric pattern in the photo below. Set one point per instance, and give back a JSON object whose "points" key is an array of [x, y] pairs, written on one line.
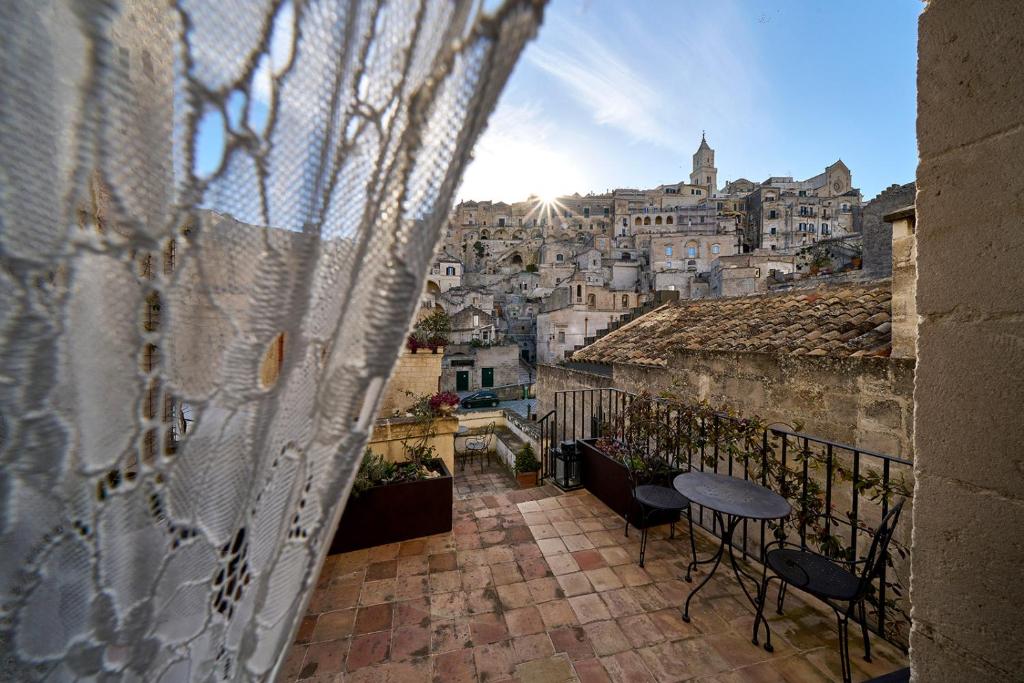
{"points": [[215, 223]]}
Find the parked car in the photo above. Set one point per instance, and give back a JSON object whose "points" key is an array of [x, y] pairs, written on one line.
{"points": [[480, 398]]}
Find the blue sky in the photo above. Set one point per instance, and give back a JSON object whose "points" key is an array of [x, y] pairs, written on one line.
{"points": [[615, 94]]}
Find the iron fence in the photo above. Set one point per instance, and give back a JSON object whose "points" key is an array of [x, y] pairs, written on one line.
{"points": [[818, 476]]}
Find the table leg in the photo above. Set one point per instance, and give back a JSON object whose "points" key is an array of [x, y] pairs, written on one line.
{"points": [[717, 559]]}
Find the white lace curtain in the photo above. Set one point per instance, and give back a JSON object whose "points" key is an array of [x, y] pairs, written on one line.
{"points": [[215, 222]]}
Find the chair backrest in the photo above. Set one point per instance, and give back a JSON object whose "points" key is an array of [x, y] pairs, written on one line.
{"points": [[879, 551]]}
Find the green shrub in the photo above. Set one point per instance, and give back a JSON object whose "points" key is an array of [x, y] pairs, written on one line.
{"points": [[526, 460]]}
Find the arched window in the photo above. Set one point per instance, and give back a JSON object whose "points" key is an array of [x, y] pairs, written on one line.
{"points": [[715, 248], [691, 250], [625, 301], [625, 223], [559, 258], [485, 234], [668, 220], [647, 220], [579, 291], [591, 301], [657, 220], [637, 221]]}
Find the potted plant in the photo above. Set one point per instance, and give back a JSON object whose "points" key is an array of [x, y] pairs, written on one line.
{"points": [[527, 466], [431, 331]]}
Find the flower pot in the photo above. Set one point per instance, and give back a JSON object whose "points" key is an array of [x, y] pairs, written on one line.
{"points": [[526, 479]]}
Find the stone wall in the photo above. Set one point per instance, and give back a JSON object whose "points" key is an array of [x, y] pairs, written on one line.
{"points": [[865, 402], [419, 373], [390, 437], [969, 500], [877, 233]]}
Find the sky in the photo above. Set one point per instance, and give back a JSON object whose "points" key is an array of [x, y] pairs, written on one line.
{"points": [[616, 94]]}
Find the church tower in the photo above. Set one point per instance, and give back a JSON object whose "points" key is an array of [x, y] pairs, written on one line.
{"points": [[704, 171]]}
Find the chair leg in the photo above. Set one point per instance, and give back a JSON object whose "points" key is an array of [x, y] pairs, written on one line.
{"points": [[782, 597], [844, 645], [693, 546], [864, 632]]}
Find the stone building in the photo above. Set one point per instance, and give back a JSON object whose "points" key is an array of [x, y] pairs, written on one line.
{"points": [[468, 367], [472, 323], [877, 233], [745, 274]]}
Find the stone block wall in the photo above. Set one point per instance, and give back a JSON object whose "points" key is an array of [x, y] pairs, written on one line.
{"points": [[390, 437], [968, 519], [877, 233], [418, 372]]}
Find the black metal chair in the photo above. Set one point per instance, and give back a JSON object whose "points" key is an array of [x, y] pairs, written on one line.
{"points": [[829, 581], [479, 445], [653, 494]]}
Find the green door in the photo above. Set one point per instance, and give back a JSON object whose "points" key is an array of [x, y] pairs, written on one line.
{"points": [[487, 377], [462, 380]]}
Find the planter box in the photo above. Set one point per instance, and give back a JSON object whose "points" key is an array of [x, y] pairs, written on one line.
{"points": [[608, 479], [527, 480], [396, 512]]}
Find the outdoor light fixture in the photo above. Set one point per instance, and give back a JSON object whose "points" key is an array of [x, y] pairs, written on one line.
{"points": [[567, 466]]}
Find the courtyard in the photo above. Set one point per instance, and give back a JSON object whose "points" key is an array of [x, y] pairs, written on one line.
{"points": [[540, 585]]}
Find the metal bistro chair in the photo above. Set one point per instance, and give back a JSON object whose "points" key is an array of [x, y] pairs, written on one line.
{"points": [[478, 444], [829, 581], [652, 496]]}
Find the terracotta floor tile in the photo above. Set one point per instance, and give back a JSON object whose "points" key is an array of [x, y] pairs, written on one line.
{"points": [[591, 671], [306, 627], [476, 577], [567, 528], [412, 566], [524, 621], [535, 646], [557, 614], [494, 662], [292, 666], [589, 608], [448, 605], [324, 658], [670, 623], [534, 568], [562, 564], [482, 601], [375, 592], [588, 524], [602, 539], [416, 546], [336, 596], [627, 667], [444, 562], [382, 570], [412, 612], [487, 628], [409, 642], [632, 575], [445, 582], [333, 625], [499, 555], [589, 559], [544, 589], [514, 595], [373, 618], [572, 641], [603, 579], [379, 553], [455, 667], [621, 603], [408, 587], [523, 551], [553, 669], [614, 555], [574, 584], [690, 658], [606, 637], [450, 634], [552, 546], [505, 573], [640, 630]]}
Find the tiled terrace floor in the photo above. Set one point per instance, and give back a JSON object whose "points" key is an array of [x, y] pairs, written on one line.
{"points": [[535, 586]]}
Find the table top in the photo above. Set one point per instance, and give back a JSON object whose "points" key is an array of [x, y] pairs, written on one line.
{"points": [[731, 495], [462, 429]]}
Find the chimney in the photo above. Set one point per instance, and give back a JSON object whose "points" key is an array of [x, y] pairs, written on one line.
{"points": [[904, 282]]}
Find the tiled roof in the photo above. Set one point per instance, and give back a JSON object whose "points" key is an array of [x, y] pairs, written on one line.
{"points": [[848, 320]]}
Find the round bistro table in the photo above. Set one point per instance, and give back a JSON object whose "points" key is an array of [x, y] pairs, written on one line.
{"points": [[731, 500]]}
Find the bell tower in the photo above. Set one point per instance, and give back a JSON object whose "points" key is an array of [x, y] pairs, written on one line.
{"points": [[704, 171]]}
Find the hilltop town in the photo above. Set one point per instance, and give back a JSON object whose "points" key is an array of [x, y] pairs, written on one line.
{"points": [[532, 281]]}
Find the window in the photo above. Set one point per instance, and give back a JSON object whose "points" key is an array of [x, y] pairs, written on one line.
{"points": [[771, 231], [476, 320], [637, 221], [606, 211], [450, 270], [484, 334], [501, 222], [803, 193], [773, 214], [668, 264], [561, 337], [691, 252], [657, 220], [669, 220], [647, 220], [625, 301], [625, 222], [586, 212], [715, 248], [668, 250], [579, 291], [559, 258]]}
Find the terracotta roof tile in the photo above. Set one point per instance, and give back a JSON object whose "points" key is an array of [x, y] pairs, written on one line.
{"points": [[847, 320]]}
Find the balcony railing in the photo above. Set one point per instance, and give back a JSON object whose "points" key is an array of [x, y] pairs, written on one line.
{"points": [[818, 476]]}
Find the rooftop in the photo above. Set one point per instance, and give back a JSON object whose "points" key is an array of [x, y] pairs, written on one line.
{"points": [[841, 321]]}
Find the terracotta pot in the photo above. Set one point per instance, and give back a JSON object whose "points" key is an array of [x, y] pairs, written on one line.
{"points": [[526, 479]]}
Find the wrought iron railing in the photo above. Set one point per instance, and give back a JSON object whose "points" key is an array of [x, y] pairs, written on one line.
{"points": [[818, 476]]}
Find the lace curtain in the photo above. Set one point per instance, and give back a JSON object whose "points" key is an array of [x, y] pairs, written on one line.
{"points": [[215, 223]]}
